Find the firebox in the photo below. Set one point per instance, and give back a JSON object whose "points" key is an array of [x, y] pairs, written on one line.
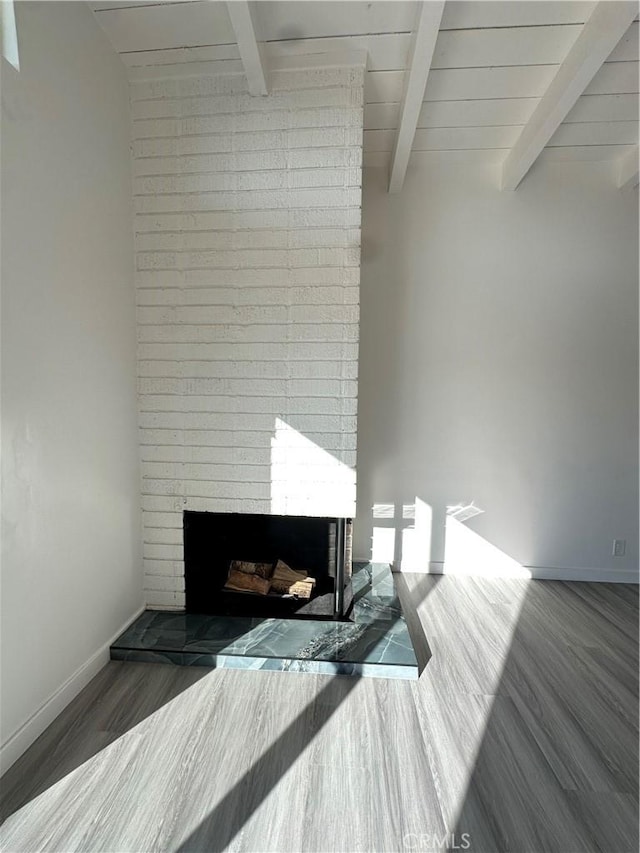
{"points": [[309, 557]]}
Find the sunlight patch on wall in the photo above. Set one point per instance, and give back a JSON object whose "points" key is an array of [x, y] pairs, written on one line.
{"points": [[416, 539], [383, 545], [308, 480], [383, 510], [463, 512], [467, 553], [402, 535], [383, 540]]}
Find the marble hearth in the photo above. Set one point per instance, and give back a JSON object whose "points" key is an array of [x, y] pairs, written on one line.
{"points": [[376, 643]]}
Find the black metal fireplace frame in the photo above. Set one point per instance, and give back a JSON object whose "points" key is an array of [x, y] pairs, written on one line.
{"points": [[341, 553], [216, 600]]}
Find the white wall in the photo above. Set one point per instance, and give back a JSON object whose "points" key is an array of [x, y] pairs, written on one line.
{"points": [[70, 564], [498, 362], [248, 269]]}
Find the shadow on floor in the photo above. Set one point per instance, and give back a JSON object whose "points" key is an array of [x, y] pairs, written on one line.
{"points": [[119, 698], [234, 810], [226, 820], [549, 764], [557, 767], [122, 695]]}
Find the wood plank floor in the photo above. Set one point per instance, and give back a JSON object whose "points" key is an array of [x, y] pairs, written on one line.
{"points": [[520, 735]]}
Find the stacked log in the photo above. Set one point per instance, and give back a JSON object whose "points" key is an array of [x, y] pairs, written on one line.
{"points": [[287, 581], [262, 578], [245, 582], [301, 589], [262, 570], [249, 577]]}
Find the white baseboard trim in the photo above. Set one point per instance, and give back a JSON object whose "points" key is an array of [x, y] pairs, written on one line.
{"points": [[22, 739], [555, 573]]}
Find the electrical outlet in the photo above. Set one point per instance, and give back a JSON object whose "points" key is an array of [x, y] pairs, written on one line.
{"points": [[619, 547]]}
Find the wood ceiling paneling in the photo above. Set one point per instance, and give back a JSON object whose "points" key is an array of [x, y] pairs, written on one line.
{"points": [[493, 61]]}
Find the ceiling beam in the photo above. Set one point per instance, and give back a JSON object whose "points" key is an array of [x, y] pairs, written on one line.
{"points": [[424, 43], [240, 15], [603, 30], [628, 169]]}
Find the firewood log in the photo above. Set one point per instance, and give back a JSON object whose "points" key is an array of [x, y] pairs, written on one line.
{"points": [[243, 582], [301, 589], [283, 577], [262, 570]]}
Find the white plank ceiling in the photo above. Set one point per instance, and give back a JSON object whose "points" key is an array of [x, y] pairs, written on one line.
{"points": [[493, 61]]}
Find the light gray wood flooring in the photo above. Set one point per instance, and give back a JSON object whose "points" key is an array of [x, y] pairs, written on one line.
{"points": [[520, 735]]}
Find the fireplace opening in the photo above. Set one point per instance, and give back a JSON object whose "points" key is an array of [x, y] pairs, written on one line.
{"points": [[291, 567]]}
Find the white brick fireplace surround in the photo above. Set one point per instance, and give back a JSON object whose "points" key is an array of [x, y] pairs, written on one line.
{"points": [[248, 269]]}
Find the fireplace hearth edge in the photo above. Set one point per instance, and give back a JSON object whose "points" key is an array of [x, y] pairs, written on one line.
{"points": [[376, 644]]}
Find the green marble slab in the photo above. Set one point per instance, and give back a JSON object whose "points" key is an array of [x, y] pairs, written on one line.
{"points": [[376, 643]]}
